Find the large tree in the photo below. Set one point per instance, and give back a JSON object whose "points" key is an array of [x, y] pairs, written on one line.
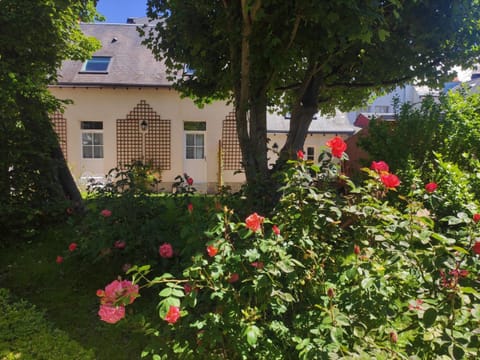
{"points": [[306, 56], [35, 36]]}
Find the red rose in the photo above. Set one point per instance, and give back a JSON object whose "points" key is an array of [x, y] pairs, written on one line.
{"points": [[476, 248], [165, 250], [254, 222], [233, 278], [337, 145], [189, 181], [431, 187], [393, 337], [390, 181], [59, 259], [276, 230], [379, 166], [330, 293], [190, 208], [476, 218], [212, 251], [300, 155], [72, 247], [187, 288], [356, 249], [173, 314]]}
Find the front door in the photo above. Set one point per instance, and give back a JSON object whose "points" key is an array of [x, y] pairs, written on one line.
{"points": [[195, 163]]}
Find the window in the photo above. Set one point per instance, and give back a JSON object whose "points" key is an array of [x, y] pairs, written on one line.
{"points": [[187, 70], [195, 146], [310, 153], [381, 109], [195, 126], [92, 139], [97, 64]]}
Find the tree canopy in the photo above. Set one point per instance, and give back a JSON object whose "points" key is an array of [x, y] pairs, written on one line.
{"points": [[306, 56], [35, 37]]}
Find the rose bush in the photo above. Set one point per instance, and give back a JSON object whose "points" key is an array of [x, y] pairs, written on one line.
{"points": [[360, 272]]}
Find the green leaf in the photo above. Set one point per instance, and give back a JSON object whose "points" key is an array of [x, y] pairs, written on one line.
{"points": [[283, 295], [460, 250], [252, 333], [429, 317], [284, 266], [383, 34], [165, 292]]}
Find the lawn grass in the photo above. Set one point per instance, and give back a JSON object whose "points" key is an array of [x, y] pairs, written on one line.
{"points": [[66, 291]]}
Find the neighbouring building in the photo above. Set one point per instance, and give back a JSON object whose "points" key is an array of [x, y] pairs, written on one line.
{"points": [[124, 109]]}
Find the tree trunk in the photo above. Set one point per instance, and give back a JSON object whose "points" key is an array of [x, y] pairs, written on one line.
{"points": [[301, 118], [69, 187]]}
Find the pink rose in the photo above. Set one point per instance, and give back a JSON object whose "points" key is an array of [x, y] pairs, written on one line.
{"points": [[173, 314], [431, 187], [106, 213], [165, 250], [257, 264], [379, 166], [126, 267], [390, 181], [111, 314], [72, 247], [119, 244], [254, 222], [124, 291], [337, 145]]}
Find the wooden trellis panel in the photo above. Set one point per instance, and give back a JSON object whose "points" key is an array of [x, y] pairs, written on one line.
{"points": [[60, 127], [157, 138], [232, 156]]}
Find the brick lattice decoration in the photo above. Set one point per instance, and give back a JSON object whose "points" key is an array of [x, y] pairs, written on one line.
{"points": [[231, 154], [157, 138], [60, 126]]}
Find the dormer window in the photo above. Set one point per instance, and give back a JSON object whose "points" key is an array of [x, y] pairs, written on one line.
{"points": [[187, 70], [97, 64]]}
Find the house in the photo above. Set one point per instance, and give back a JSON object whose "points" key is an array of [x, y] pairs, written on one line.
{"points": [[124, 109]]}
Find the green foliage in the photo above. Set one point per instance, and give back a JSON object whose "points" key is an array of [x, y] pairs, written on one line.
{"points": [[25, 334], [133, 179], [36, 36], [435, 142], [333, 274], [143, 221]]}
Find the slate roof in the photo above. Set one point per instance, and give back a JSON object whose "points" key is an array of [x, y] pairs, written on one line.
{"points": [[132, 64], [338, 124]]}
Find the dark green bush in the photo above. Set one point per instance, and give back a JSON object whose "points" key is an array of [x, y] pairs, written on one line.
{"points": [[25, 334]]}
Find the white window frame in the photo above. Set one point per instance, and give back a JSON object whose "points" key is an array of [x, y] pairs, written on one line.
{"points": [[94, 135], [108, 60], [195, 145]]}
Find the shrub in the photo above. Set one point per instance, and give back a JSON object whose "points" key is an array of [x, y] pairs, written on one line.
{"points": [[25, 334], [333, 274]]}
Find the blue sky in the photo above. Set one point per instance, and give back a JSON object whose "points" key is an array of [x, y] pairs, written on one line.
{"points": [[117, 11]]}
